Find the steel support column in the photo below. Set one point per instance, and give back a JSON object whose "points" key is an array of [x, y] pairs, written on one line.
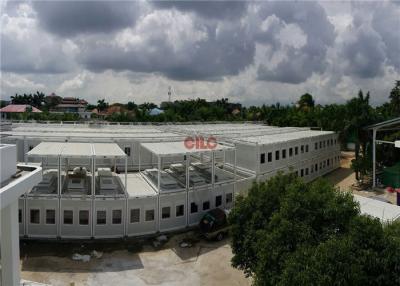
{"points": [[187, 186], [158, 193]]}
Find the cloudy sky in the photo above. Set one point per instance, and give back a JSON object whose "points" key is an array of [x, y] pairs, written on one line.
{"points": [[250, 52]]}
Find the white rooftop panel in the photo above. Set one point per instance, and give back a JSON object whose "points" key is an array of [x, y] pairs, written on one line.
{"points": [[51, 149], [176, 148], [384, 211], [103, 135], [137, 185], [286, 136], [108, 150], [74, 149]]}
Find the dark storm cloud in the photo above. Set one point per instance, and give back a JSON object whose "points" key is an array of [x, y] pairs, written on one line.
{"points": [[364, 53], [207, 9], [369, 46], [230, 32], [68, 18], [225, 50], [42, 58], [299, 64], [386, 22]]}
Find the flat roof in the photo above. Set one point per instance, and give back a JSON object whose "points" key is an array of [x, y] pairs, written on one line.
{"points": [[176, 148], [75, 149], [280, 137], [90, 133], [137, 186], [384, 211]]}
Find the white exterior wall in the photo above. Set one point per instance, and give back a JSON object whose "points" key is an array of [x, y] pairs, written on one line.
{"points": [[246, 156], [172, 201], [302, 160], [41, 229], [142, 227], [8, 167], [109, 229], [75, 230]]}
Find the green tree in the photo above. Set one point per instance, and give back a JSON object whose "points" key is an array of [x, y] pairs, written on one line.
{"points": [[287, 232], [395, 99], [359, 114], [306, 101], [102, 105]]}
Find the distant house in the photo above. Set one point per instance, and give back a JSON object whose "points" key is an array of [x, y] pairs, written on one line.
{"points": [[73, 105], [113, 109], [156, 111], [236, 111], [10, 109]]}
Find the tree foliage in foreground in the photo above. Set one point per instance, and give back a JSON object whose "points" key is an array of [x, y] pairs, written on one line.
{"points": [[287, 232]]}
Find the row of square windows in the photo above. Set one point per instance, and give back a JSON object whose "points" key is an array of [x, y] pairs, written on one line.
{"points": [[303, 149], [322, 165], [117, 214]]}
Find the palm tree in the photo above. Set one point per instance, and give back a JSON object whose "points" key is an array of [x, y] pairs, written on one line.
{"points": [[358, 115], [102, 105]]}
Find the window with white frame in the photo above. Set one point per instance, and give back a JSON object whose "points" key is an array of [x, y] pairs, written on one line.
{"points": [[166, 212], [50, 216], [116, 216], [68, 217], [180, 210], [83, 217], [101, 217], [193, 208], [35, 216], [135, 215], [262, 158], [149, 215]]}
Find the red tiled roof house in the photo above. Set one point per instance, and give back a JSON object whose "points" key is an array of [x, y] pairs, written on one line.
{"points": [[17, 108]]}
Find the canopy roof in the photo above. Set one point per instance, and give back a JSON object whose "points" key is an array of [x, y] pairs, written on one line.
{"points": [[176, 148], [384, 211], [74, 149], [387, 123]]}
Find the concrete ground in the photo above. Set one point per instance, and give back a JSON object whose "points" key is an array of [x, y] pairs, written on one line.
{"points": [[344, 178], [131, 263]]}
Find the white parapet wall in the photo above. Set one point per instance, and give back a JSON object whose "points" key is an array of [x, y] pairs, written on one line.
{"points": [[8, 167], [15, 180]]}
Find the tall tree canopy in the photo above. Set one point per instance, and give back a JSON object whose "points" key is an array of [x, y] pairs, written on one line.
{"points": [[287, 232], [395, 99], [306, 101]]}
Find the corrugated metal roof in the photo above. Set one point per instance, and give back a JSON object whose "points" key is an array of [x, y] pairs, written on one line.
{"points": [[18, 108]]}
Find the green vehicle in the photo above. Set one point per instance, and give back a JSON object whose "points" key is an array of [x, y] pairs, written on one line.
{"points": [[214, 224]]}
